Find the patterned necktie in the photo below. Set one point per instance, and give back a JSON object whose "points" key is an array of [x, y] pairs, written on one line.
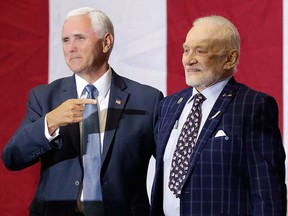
{"points": [[186, 142], [91, 149]]}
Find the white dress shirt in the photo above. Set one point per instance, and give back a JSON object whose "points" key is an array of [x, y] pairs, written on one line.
{"points": [[171, 204], [103, 87]]}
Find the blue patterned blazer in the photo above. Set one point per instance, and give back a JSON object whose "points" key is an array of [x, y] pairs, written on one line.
{"points": [[242, 173]]}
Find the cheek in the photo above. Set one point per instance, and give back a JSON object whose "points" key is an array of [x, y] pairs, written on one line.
{"points": [[217, 61], [65, 50], [186, 59], [183, 59], [212, 64]]}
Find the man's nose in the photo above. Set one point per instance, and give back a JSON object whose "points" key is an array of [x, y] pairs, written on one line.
{"points": [[190, 58], [72, 47]]}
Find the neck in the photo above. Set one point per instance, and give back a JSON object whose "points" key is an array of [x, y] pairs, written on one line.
{"points": [[93, 75]]}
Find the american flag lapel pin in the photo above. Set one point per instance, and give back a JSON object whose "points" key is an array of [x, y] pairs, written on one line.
{"points": [[117, 101]]}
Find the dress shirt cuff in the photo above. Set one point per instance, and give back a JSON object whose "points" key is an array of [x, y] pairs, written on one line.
{"points": [[47, 135]]}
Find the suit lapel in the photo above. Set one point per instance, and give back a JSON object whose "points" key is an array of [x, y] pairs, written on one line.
{"points": [[69, 91], [176, 105], [221, 104], [117, 101]]}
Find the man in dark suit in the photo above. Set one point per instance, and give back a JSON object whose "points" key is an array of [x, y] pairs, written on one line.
{"points": [[51, 129], [235, 163]]}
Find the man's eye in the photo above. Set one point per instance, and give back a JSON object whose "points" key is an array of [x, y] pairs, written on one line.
{"points": [[65, 40], [80, 38], [201, 52], [186, 51]]}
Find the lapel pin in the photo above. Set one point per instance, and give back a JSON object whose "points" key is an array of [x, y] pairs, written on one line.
{"points": [[216, 114], [180, 100], [176, 124], [227, 95], [117, 101]]}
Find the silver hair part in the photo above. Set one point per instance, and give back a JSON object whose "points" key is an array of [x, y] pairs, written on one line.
{"points": [[101, 23]]}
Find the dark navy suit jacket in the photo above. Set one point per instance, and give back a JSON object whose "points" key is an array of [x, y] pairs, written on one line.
{"points": [[128, 145], [242, 173]]}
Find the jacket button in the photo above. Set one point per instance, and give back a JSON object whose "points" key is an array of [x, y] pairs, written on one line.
{"points": [[77, 183]]}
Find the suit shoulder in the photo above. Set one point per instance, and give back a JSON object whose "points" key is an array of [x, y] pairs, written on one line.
{"points": [[53, 85], [248, 91], [249, 96], [137, 86]]}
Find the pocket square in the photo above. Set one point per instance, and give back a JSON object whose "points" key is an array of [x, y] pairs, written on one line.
{"points": [[220, 133]]}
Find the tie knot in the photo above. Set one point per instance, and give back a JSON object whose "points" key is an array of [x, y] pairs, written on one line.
{"points": [[199, 98], [92, 91]]}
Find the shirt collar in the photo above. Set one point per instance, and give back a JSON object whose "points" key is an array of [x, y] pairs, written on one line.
{"points": [[102, 84], [212, 92]]}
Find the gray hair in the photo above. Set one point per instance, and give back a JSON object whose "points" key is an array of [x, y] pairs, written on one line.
{"points": [[101, 23]]}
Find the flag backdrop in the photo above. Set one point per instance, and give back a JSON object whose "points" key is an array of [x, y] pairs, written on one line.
{"points": [[148, 48]]}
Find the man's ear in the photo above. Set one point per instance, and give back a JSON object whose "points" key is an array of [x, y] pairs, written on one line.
{"points": [[232, 59], [107, 42]]}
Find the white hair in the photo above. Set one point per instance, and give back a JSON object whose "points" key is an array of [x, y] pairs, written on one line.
{"points": [[101, 23]]}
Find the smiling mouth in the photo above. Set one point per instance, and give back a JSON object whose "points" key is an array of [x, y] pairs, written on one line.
{"points": [[192, 70]]}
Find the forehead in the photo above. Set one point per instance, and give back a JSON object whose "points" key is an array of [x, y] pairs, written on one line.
{"points": [[205, 34], [81, 23]]}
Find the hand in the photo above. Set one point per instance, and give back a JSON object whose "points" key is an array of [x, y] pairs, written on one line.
{"points": [[69, 112]]}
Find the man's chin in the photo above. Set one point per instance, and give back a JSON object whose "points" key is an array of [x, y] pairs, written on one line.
{"points": [[192, 83], [76, 70]]}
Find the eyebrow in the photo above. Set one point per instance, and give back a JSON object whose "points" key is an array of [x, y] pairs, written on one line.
{"points": [[74, 35], [194, 47], [77, 34]]}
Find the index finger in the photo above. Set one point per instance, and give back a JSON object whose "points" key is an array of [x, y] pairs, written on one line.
{"points": [[86, 101]]}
